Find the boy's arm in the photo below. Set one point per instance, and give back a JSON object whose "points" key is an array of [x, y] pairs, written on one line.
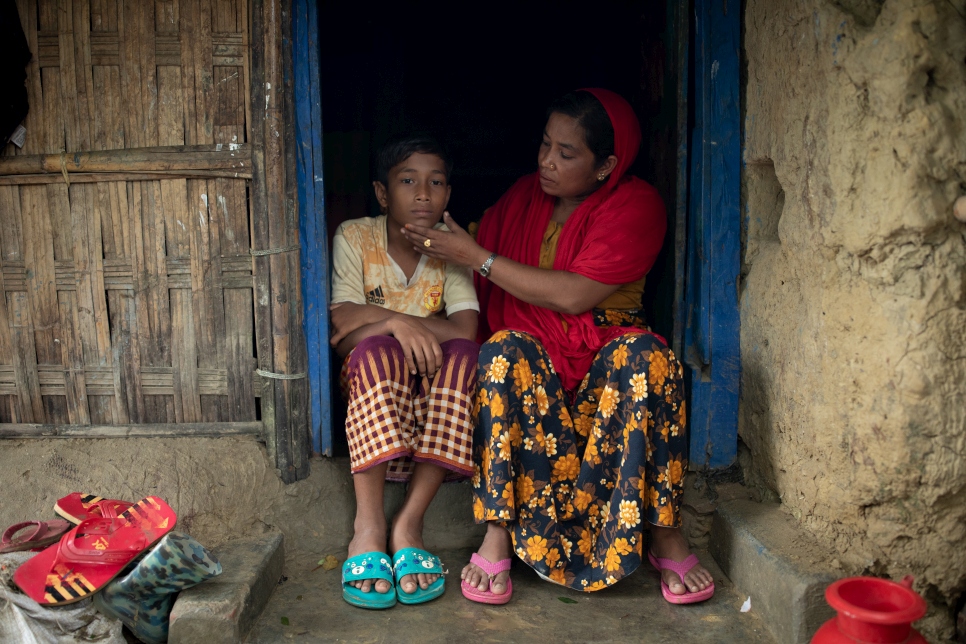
{"points": [[419, 344], [348, 318], [419, 337], [461, 324]]}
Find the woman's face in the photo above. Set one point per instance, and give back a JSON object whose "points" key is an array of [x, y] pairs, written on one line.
{"points": [[567, 166]]}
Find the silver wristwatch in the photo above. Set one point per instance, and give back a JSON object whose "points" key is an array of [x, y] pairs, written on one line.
{"points": [[485, 268]]}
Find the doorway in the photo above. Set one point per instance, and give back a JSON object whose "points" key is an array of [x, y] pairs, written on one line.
{"points": [[484, 91]]}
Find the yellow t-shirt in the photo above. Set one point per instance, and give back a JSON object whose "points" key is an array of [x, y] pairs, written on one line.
{"points": [[364, 273]]}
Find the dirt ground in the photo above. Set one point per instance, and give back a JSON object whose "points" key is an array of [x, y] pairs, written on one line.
{"points": [[309, 608], [853, 292]]}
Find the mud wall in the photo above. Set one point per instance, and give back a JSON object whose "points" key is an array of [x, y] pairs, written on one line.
{"points": [[853, 328]]}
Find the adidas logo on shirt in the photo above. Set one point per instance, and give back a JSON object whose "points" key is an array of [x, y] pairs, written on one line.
{"points": [[375, 296]]}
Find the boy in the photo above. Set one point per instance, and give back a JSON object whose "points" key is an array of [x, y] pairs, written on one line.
{"points": [[404, 324]]}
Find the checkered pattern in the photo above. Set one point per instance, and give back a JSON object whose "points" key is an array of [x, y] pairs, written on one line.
{"points": [[391, 417]]}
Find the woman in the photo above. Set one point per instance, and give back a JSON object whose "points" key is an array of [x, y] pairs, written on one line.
{"points": [[580, 434]]}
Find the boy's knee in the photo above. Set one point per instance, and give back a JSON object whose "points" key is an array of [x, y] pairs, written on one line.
{"points": [[374, 346]]}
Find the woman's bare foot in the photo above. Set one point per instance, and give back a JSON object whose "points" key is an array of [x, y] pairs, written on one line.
{"points": [[369, 538], [496, 546], [669, 543], [407, 532]]}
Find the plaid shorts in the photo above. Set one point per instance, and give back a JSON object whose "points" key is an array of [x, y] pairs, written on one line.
{"points": [[391, 417]]}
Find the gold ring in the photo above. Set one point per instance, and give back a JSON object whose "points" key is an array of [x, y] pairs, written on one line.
{"points": [[428, 243]]}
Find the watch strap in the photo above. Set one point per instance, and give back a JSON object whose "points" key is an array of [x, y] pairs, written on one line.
{"points": [[485, 268]]}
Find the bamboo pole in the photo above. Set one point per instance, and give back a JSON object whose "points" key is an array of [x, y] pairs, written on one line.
{"points": [[102, 177], [159, 160], [279, 334], [288, 295], [165, 430], [259, 224]]}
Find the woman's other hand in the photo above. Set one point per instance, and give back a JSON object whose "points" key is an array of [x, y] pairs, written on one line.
{"points": [[423, 353], [455, 246]]}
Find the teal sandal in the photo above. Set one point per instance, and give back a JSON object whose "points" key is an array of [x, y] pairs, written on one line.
{"points": [[412, 561], [368, 565]]}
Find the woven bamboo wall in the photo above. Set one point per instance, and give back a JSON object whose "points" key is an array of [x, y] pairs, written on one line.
{"points": [[125, 273]]}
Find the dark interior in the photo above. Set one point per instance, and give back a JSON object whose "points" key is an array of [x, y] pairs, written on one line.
{"points": [[480, 77]]}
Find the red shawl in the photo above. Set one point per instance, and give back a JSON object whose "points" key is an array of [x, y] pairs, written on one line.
{"points": [[613, 237]]}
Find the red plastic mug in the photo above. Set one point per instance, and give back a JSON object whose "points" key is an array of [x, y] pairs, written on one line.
{"points": [[872, 610]]}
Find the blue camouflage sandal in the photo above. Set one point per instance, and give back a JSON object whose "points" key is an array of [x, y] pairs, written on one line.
{"points": [[412, 561], [368, 565]]}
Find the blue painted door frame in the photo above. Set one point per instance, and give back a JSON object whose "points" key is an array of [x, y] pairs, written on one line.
{"points": [[711, 321], [709, 180], [313, 236]]}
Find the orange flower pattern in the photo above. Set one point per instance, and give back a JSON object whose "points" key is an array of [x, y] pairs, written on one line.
{"points": [[576, 477]]}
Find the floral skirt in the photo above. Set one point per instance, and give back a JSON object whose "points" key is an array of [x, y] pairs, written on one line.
{"points": [[574, 484], [391, 417]]}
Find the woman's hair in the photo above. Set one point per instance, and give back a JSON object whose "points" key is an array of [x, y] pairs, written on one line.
{"points": [[399, 148], [592, 117]]}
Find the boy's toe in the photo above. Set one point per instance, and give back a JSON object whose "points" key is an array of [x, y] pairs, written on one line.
{"points": [[408, 584]]}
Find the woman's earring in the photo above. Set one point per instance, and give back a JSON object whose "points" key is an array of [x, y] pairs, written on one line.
{"points": [[601, 176]]}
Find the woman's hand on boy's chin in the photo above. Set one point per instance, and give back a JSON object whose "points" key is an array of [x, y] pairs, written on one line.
{"points": [[455, 246], [423, 353]]}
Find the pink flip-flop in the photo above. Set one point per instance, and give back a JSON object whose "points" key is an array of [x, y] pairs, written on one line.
{"points": [[492, 569], [681, 569]]}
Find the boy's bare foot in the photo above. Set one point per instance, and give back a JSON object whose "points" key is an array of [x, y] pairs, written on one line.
{"points": [[496, 546], [407, 532], [669, 543], [369, 538]]}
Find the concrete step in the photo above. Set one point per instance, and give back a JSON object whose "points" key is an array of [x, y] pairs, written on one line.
{"points": [[309, 608], [768, 557], [225, 608]]}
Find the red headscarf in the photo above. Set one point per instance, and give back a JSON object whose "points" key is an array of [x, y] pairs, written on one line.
{"points": [[613, 237]]}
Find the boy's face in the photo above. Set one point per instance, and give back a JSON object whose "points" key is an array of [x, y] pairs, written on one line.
{"points": [[417, 192]]}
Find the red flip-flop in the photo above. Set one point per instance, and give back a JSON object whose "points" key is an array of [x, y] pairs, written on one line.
{"points": [[77, 507], [41, 534], [93, 553], [681, 569]]}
